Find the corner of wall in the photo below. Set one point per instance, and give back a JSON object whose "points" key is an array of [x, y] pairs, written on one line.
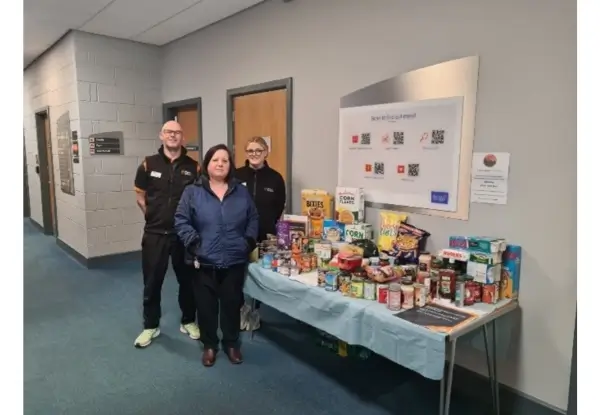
{"points": [[51, 82], [118, 89]]}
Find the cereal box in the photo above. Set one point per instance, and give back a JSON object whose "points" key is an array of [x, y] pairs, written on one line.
{"points": [[317, 205], [349, 205], [358, 231], [297, 225], [283, 234], [511, 272], [333, 230]]}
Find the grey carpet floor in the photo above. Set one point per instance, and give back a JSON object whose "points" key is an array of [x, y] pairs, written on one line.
{"points": [[79, 358]]}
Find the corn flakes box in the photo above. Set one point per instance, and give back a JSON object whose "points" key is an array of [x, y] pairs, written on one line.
{"points": [[349, 205]]}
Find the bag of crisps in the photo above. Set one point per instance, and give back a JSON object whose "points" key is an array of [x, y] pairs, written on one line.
{"points": [[388, 228]]}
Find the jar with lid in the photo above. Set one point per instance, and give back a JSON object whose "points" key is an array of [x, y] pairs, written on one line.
{"points": [[471, 288], [395, 297], [447, 283], [408, 294], [425, 262]]}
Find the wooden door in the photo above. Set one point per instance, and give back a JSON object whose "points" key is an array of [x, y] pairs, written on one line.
{"points": [[187, 117], [262, 114], [50, 164]]}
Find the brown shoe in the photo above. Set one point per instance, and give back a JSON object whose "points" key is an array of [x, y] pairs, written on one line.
{"points": [[234, 355], [208, 357]]}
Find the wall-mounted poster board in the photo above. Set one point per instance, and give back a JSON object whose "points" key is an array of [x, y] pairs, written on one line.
{"points": [[403, 153]]}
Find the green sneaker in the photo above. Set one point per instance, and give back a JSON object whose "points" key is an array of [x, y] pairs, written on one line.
{"points": [[191, 329], [146, 337]]}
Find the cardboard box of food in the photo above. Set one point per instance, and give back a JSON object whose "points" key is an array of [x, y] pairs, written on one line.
{"points": [[317, 205], [511, 272], [358, 231], [483, 244], [349, 205]]}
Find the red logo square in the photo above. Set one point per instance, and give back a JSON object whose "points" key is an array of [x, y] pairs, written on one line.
{"points": [[400, 169], [368, 168], [354, 139]]}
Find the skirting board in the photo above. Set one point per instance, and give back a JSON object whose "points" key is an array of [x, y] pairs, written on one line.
{"points": [[512, 402], [102, 261]]}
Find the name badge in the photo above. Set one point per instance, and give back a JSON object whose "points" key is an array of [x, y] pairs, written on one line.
{"points": [[156, 174]]}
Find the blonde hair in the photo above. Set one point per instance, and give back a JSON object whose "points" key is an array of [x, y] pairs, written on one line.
{"points": [[258, 140]]}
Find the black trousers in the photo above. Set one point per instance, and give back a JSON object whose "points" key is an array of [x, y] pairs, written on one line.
{"points": [[156, 251], [219, 296]]}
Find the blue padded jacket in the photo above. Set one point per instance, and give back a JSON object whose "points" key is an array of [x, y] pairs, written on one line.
{"points": [[217, 233]]}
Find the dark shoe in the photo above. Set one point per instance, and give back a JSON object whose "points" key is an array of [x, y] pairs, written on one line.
{"points": [[235, 356], [208, 357]]}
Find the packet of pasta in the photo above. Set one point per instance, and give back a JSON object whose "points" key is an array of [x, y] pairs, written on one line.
{"points": [[388, 228]]}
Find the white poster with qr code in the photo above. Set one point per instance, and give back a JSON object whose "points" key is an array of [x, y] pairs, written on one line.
{"points": [[404, 153]]}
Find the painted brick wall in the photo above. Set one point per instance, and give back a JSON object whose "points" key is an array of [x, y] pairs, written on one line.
{"points": [[51, 82], [119, 90]]}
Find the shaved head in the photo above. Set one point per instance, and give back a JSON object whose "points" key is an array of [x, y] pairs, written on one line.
{"points": [[171, 136], [171, 125]]}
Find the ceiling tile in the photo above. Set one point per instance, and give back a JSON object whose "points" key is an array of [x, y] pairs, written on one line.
{"points": [[197, 17], [127, 18]]}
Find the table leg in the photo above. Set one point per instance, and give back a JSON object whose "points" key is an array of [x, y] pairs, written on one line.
{"points": [[495, 361], [450, 375], [442, 390], [491, 373], [252, 308]]}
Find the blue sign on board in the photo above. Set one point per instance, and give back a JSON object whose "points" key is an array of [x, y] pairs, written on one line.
{"points": [[440, 198]]}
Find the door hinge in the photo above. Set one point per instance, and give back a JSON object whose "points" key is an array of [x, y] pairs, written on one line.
{"points": [[232, 116]]}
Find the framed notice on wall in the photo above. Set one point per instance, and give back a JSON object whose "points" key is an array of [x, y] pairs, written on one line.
{"points": [[404, 154], [65, 153]]}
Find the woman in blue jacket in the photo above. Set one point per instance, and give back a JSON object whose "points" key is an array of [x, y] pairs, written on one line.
{"points": [[217, 222]]}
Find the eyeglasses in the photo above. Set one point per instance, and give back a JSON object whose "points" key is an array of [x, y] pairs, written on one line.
{"points": [[171, 132], [256, 152]]}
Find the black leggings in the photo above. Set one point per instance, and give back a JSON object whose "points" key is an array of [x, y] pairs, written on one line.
{"points": [[219, 296]]}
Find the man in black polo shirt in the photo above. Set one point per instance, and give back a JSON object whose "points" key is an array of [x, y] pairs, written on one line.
{"points": [[159, 183]]}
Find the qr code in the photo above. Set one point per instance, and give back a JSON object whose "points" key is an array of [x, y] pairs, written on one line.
{"points": [[378, 168], [437, 136], [398, 138], [413, 170], [365, 139]]}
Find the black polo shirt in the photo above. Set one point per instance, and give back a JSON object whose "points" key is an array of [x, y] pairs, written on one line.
{"points": [[162, 180]]}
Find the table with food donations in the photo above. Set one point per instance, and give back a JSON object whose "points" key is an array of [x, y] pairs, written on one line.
{"points": [[389, 296]]}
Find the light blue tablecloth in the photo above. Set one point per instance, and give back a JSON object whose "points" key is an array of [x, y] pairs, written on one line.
{"points": [[359, 322]]}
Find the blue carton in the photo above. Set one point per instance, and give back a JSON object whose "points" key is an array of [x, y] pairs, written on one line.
{"points": [[510, 278]]}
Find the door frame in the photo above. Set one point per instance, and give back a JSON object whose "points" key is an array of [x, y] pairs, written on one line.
{"points": [[46, 174], [572, 405], [285, 83], [26, 200], [170, 109]]}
